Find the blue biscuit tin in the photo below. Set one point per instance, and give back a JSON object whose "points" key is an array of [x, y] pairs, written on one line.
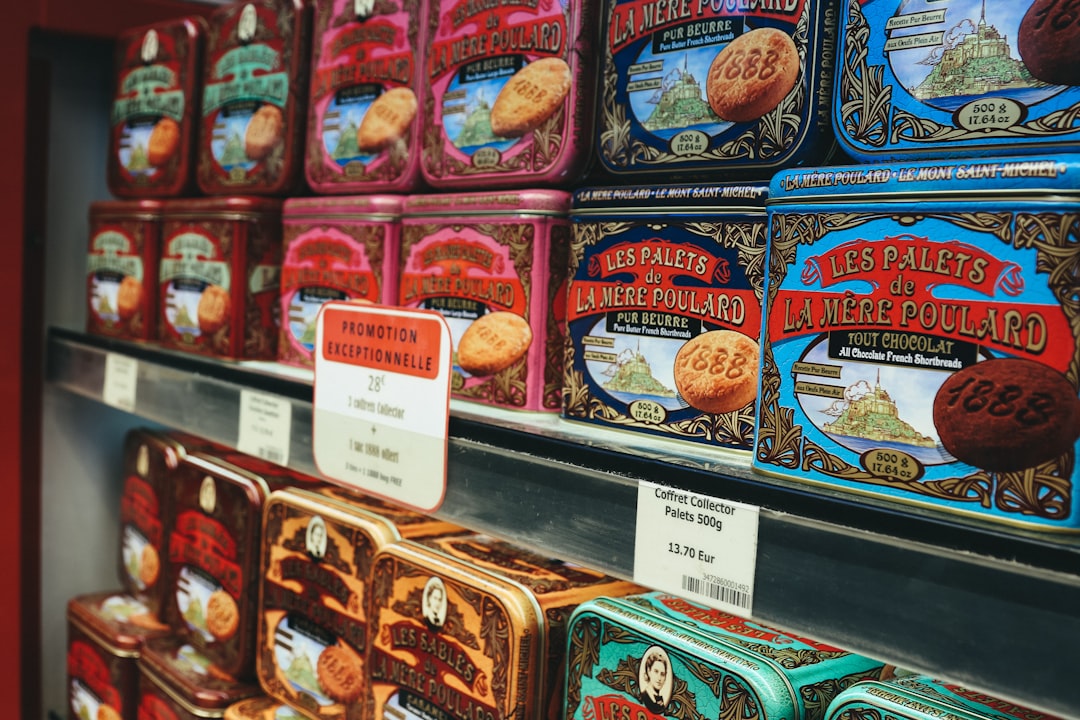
{"points": [[922, 336], [926, 78], [664, 310], [649, 656], [918, 697]]}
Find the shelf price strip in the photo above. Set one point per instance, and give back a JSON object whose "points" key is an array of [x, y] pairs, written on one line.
{"points": [[121, 381], [382, 401], [696, 546]]}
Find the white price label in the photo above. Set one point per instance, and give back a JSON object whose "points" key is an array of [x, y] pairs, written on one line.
{"points": [[265, 426], [696, 546], [121, 381], [382, 401]]}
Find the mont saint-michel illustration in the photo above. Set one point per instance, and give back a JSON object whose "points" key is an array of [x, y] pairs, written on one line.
{"points": [[871, 414], [679, 102], [631, 373], [477, 127], [346, 147]]}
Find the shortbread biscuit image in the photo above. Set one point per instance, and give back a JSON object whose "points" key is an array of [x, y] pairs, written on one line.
{"points": [[164, 139], [213, 311], [263, 132], [530, 97], [340, 674], [493, 342], [717, 372], [222, 615], [128, 297], [752, 74], [149, 565], [387, 120], [107, 712]]}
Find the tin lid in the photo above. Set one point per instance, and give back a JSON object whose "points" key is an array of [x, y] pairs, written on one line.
{"points": [[920, 697], [647, 199], [190, 679], [125, 210], [192, 26], [216, 207], [358, 206], [409, 524], [275, 476], [507, 202], [118, 622]]}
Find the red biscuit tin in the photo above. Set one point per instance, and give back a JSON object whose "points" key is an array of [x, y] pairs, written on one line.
{"points": [[177, 682], [220, 275], [122, 267], [254, 98], [155, 109]]}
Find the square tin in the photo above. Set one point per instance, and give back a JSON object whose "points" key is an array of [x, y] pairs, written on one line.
{"points": [[220, 277], [177, 682], [471, 627], [254, 101], [483, 55], [920, 697], [362, 50], [106, 632], [951, 79], [122, 268], [490, 256], [921, 343], [663, 282], [335, 249], [155, 109], [664, 111], [658, 655]]}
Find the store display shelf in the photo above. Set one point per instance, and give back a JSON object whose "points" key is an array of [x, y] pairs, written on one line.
{"points": [[995, 609]]}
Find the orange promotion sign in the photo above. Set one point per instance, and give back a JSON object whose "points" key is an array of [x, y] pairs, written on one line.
{"points": [[407, 344]]}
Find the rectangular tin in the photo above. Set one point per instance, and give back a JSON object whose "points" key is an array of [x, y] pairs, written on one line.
{"points": [[334, 249], [921, 343], [657, 655], [220, 277], [361, 51], [471, 627], [469, 256], [261, 707], [664, 113], [177, 682], [919, 697], [657, 277], [155, 109], [106, 632], [482, 54], [409, 524], [254, 101], [122, 268], [950, 79]]}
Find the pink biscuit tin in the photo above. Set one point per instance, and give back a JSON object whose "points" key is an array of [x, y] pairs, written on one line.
{"points": [[363, 122], [509, 92], [342, 248], [494, 265]]}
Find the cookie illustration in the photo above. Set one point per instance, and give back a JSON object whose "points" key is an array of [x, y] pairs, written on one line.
{"points": [[128, 297], [1049, 41], [530, 97], [493, 342], [164, 139], [149, 565], [107, 712], [340, 674], [1007, 414], [752, 74], [213, 310], [263, 132], [717, 372], [387, 120], [222, 615]]}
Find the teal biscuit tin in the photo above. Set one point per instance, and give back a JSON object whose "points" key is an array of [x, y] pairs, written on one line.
{"points": [[648, 656], [922, 336], [919, 697], [936, 78]]}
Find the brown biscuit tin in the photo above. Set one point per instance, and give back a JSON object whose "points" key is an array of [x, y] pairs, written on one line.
{"points": [[472, 628], [177, 682], [409, 524], [254, 98], [106, 632]]}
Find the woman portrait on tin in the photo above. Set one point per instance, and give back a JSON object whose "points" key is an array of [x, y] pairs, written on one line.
{"points": [[655, 679], [315, 540], [433, 604]]}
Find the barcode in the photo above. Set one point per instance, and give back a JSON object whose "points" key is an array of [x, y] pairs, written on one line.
{"points": [[716, 592], [270, 454]]}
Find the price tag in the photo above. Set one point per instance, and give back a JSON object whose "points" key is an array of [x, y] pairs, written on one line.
{"points": [[121, 381], [696, 546], [382, 401], [265, 426]]}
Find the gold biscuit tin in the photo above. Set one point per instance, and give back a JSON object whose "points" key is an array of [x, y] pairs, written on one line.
{"points": [[409, 524], [472, 628], [177, 682]]}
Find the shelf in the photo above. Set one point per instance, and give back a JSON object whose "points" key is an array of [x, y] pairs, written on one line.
{"points": [[993, 609]]}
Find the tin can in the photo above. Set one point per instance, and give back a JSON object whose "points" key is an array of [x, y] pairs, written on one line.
{"points": [[509, 93], [921, 343], [366, 58], [653, 655], [155, 107], [472, 627], [106, 632], [214, 553], [121, 269], [255, 88], [664, 310], [408, 523], [926, 79], [494, 265], [715, 89], [220, 277], [919, 697], [335, 249], [261, 707], [177, 682]]}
